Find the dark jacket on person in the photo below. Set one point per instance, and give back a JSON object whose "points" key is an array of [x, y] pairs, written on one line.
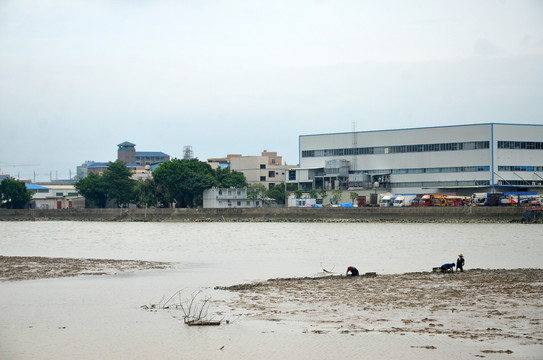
{"points": [[352, 270], [447, 266]]}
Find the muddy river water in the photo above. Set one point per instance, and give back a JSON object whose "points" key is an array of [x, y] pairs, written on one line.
{"points": [[89, 317]]}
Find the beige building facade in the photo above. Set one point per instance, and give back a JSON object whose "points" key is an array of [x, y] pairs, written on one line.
{"points": [[267, 169]]}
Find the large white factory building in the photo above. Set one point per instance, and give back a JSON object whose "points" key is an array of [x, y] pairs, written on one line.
{"points": [[448, 159]]}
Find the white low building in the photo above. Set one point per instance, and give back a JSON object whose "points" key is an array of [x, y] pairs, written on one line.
{"points": [[462, 159], [217, 198], [55, 197]]}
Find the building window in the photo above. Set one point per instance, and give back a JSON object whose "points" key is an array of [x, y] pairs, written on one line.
{"points": [[239, 203], [292, 174], [262, 166], [248, 203], [59, 194], [262, 178], [399, 149], [271, 174], [520, 145]]}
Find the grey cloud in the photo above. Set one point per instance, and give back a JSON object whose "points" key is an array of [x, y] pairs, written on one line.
{"points": [[483, 47]]}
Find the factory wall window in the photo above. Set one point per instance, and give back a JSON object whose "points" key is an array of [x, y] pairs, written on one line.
{"points": [[437, 184], [271, 174], [520, 168], [399, 149], [262, 178], [521, 182], [262, 166], [437, 170], [520, 145]]}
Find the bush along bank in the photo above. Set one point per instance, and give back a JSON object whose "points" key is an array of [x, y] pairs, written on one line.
{"points": [[366, 214]]}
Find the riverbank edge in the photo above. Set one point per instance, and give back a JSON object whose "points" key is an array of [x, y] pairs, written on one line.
{"points": [[366, 214]]}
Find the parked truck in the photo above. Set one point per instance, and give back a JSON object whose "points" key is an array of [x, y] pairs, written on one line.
{"points": [[486, 199], [404, 200], [386, 200]]}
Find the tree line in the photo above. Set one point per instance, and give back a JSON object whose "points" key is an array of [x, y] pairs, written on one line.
{"points": [[179, 182], [14, 194]]}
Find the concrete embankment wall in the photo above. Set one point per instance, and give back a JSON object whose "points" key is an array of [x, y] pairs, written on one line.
{"points": [[367, 214]]}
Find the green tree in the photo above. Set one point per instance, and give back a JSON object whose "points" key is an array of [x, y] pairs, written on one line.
{"points": [[145, 193], [354, 196], [113, 185], [120, 185], [14, 194], [227, 178], [277, 193], [184, 181], [336, 196], [298, 194], [323, 194], [94, 189], [257, 192], [313, 194]]}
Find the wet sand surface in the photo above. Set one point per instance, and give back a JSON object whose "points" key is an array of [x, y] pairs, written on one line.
{"points": [[492, 314], [476, 304], [14, 268]]}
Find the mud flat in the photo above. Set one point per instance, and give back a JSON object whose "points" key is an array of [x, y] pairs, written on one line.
{"points": [[16, 268], [479, 305]]}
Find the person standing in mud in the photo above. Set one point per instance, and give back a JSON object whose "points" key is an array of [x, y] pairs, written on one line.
{"points": [[352, 270], [460, 263]]}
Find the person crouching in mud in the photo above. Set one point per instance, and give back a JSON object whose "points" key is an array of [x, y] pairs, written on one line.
{"points": [[352, 270], [447, 267]]}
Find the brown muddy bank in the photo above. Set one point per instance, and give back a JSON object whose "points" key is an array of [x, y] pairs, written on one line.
{"points": [[366, 214], [476, 304], [16, 268]]}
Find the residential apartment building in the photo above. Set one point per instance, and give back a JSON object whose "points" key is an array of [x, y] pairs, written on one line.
{"points": [[266, 169], [127, 153], [136, 161]]}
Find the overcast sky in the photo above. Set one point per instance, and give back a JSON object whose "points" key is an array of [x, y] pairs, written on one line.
{"points": [[79, 77]]}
